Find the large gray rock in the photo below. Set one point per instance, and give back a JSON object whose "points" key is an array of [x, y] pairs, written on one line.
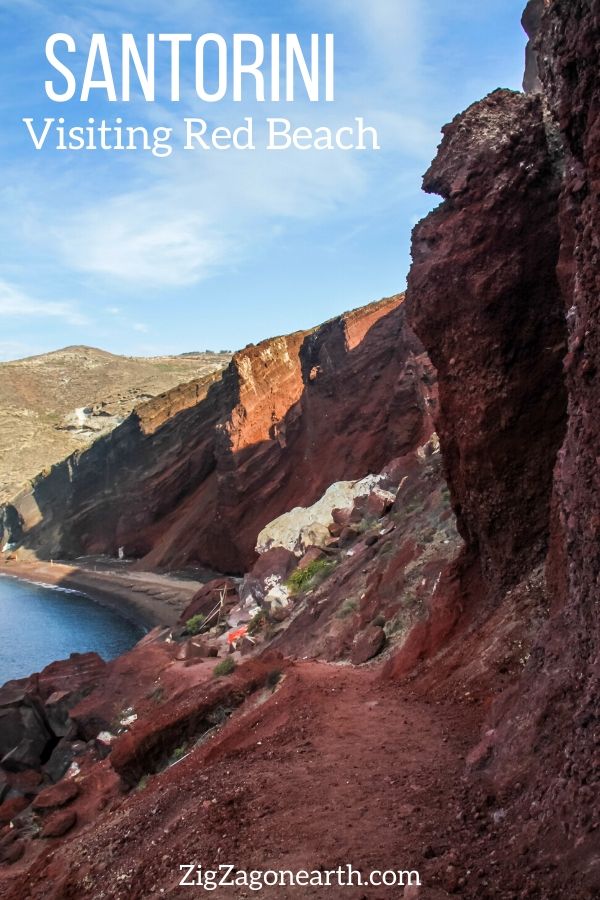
{"points": [[24, 737], [56, 709], [305, 527], [60, 759]]}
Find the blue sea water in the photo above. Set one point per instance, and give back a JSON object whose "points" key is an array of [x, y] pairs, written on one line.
{"points": [[40, 624]]}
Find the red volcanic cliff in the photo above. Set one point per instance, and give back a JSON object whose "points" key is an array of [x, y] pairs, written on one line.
{"points": [[485, 299], [194, 475], [504, 292], [501, 640]]}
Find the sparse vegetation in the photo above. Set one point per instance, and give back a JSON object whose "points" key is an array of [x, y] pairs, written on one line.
{"points": [[142, 783], [365, 524], [310, 576], [273, 678], [179, 753], [347, 608], [194, 624], [256, 623], [225, 667], [157, 695]]}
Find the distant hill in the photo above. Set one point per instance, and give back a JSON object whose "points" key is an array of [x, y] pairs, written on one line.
{"points": [[55, 403]]}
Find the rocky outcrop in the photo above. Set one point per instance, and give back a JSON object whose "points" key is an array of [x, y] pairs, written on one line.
{"points": [[531, 22], [485, 299], [39, 740], [305, 527], [562, 684], [194, 475], [504, 294]]}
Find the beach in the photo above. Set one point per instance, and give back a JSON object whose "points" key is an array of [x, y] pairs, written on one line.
{"points": [[145, 598]]}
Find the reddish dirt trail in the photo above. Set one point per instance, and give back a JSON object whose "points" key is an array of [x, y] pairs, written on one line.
{"points": [[335, 768]]}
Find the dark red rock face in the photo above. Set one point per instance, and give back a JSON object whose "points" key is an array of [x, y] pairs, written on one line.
{"points": [[505, 294], [562, 685], [196, 474], [484, 298]]}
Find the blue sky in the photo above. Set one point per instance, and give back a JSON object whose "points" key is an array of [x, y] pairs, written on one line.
{"points": [[143, 255]]}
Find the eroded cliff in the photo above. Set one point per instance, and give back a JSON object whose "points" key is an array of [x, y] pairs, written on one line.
{"points": [[193, 476]]}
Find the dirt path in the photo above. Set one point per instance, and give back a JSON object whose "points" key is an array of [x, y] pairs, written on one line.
{"points": [[335, 768]]}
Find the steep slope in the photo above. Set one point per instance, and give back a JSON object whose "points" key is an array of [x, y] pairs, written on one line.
{"points": [[56, 403], [194, 475]]}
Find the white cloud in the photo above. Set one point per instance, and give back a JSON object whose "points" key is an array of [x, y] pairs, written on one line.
{"points": [[177, 221], [136, 237], [15, 303]]}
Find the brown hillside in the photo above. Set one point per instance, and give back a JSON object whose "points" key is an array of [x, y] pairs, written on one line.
{"points": [[39, 397]]}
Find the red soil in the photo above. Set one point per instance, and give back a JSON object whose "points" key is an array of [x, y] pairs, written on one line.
{"points": [[336, 767]]}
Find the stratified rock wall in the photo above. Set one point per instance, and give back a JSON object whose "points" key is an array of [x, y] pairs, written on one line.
{"points": [[194, 475]]}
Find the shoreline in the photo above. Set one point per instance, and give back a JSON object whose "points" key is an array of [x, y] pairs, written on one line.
{"points": [[143, 598]]}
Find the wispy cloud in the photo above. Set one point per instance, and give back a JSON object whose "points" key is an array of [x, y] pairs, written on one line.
{"points": [[201, 212], [121, 231], [16, 303]]}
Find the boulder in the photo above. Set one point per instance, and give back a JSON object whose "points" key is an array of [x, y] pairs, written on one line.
{"points": [[240, 615], [11, 808], [303, 527], [75, 675], [59, 823], [12, 852], [367, 644], [56, 709], [270, 571], [379, 502], [314, 535], [209, 595], [342, 516], [276, 561], [311, 556], [194, 648], [60, 759], [4, 786], [56, 796], [12, 729], [28, 752]]}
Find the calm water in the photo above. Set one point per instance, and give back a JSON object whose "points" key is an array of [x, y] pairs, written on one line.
{"points": [[41, 624]]}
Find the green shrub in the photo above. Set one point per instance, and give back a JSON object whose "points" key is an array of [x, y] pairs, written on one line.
{"points": [[225, 667], [194, 625], [310, 576]]}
